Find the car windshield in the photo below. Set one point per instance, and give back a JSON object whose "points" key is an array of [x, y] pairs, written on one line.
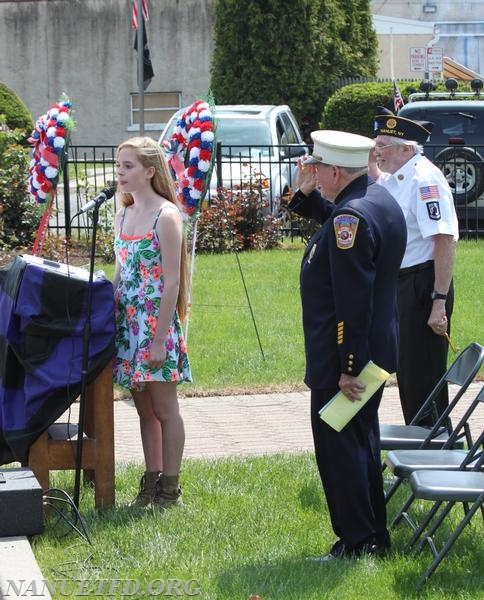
{"points": [[238, 137]]}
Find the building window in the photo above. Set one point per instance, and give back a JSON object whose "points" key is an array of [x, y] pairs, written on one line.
{"points": [[159, 107]]}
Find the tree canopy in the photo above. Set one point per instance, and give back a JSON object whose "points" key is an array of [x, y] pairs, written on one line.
{"points": [[290, 52]]}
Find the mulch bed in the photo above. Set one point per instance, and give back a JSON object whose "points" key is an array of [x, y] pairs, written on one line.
{"points": [[78, 254]]}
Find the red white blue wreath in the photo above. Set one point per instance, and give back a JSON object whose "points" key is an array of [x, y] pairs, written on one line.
{"points": [[194, 135], [49, 139]]}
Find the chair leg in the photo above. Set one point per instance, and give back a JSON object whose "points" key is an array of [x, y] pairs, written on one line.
{"points": [[395, 485], [450, 542], [403, 513], [433, 528], [423, 525]]}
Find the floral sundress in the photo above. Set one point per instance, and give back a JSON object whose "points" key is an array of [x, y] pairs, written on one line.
{"points": [[137, 302]]}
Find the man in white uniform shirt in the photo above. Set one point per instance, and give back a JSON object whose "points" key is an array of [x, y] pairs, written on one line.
{"points": [[425, 289]]}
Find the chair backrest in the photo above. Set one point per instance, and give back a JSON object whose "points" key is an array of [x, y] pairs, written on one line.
{"points": [[466, 365], [461, 373]]}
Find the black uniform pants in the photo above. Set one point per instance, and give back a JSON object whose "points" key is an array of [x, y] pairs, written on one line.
{"points": [[422, 353], [349, 465]]}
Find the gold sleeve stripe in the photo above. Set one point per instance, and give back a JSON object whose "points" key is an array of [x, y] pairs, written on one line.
{"points": [[341, 326]]}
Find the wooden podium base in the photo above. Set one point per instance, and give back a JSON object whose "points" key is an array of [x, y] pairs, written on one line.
{"points": [[56, 450]]}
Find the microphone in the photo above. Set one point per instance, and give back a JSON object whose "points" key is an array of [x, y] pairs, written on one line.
{"points": [[106, 194]]}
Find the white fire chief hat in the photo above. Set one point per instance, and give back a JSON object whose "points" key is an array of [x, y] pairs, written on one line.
{"points": [[340, 148]]}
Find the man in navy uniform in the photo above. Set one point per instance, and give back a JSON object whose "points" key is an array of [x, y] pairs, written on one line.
{"points": [[425, 289], [348, 285]]}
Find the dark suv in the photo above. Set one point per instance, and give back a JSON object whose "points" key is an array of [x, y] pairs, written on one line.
{"points": [[456, 146]]}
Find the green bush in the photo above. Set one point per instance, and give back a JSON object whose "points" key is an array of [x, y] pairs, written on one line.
{"points": [[17, 115], [19, 216], [353, 107], [236, 221]]}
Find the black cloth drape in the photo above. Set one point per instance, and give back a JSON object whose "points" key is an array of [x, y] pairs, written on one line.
{"points": [[42, 322]]}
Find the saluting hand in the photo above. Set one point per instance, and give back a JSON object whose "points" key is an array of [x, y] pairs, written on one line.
{"points": [[306, 179]]}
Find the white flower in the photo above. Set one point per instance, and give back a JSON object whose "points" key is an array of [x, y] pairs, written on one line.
{"points": [[51, 172], [194, 153]]}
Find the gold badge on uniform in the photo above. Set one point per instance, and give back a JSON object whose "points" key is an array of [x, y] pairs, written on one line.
{"points": [[345, 228]]}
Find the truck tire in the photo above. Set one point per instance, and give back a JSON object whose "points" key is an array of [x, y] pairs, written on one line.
{"points": [[464, 170]]}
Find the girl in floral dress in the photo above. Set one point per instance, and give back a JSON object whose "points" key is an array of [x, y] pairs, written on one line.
{"points": [[150, 283]]}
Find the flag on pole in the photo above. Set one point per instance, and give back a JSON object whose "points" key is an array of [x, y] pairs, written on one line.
{"points": [[144, 10], [397, 97], [148, 72]]}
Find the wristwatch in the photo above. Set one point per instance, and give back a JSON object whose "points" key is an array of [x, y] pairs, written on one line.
{"points": [[437, 296]]}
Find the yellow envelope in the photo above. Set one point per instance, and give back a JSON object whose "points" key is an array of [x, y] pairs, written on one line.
{"points": [[339, 410]]}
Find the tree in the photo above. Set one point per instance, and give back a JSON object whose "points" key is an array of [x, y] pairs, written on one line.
{"points": [[290, 52], [16, 114]]}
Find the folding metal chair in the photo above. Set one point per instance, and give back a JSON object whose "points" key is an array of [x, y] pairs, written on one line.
{"points": [[460, 373], [445, 489], [402, 463]]}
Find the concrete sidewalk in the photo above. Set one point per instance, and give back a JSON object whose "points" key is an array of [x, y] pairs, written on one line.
{"points": [[218, 426]]}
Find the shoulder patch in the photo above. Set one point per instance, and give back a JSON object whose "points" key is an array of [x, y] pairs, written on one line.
{"points": [[433, 209], [429, 192], [345, 228]]}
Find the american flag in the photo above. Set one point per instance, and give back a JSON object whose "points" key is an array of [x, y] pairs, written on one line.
{"points": [[427, 192], [148, 73], [134, 16], [397, 97]]}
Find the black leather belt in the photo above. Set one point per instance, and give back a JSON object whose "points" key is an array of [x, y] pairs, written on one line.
{"points": [[414, 268]]}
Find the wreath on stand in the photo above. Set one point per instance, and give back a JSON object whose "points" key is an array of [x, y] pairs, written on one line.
{"points": [[49, 139], [190, 155], [192, 141]]}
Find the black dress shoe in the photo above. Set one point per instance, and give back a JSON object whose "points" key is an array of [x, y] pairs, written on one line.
{"points": [[375, 545], [337, 551]]}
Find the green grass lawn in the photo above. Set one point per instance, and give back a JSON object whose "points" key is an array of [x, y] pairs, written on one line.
{"points": [[248, 526]]}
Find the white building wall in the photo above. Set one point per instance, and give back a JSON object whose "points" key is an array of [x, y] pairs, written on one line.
{"points": [[85, 49], [456, 27]]}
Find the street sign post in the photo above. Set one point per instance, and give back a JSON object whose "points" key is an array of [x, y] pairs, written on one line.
{"points": [[418, 59], [426, 59], [435, 60]]}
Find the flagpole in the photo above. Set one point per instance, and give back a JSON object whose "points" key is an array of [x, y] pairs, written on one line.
{"points": [[392, 70], [141, 89]]}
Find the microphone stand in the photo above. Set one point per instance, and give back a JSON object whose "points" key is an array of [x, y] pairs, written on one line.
{"points": [[85, 359]]}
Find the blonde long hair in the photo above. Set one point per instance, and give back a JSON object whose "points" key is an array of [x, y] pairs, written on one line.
{"points": [[150, 154]]}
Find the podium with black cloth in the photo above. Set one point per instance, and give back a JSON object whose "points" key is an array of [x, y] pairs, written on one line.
{"points": [[42, 321]]}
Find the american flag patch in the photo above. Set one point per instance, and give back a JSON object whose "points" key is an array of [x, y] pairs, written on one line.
{"points": [[428, 192]]}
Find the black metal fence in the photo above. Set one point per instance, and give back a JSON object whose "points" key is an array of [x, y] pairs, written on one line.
{"points": [[270, 170]]}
